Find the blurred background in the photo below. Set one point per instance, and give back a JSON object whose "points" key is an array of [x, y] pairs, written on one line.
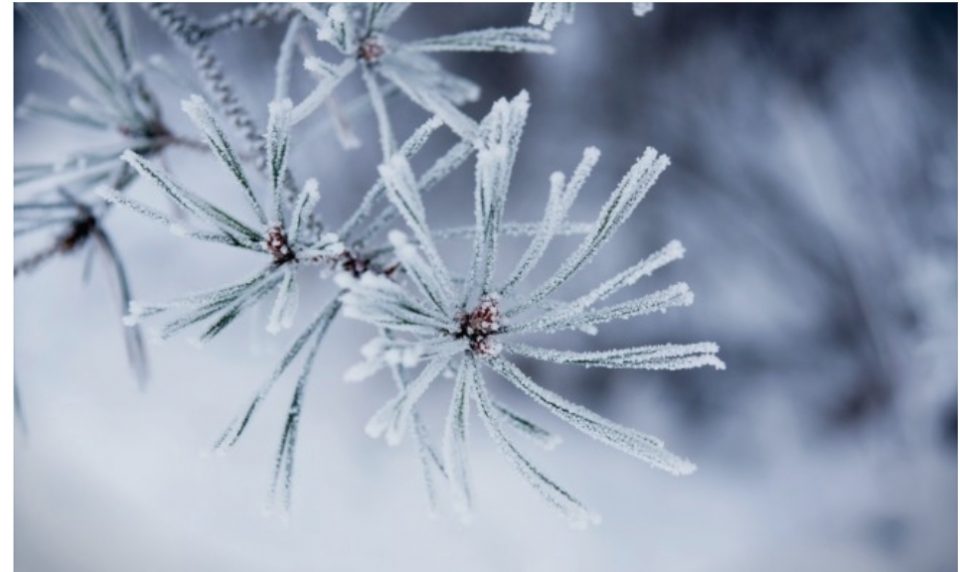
{"points": [[814, 185]]}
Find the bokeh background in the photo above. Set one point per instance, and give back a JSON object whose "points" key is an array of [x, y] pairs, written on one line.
{"points": [[814, 185]]}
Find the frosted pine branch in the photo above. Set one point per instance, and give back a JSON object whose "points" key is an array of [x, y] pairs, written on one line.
{"points": [[466, 326], [79, 227], [362, 36], [279, 238], [433, 323]]}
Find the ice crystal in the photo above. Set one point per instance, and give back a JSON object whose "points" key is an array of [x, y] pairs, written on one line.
{"points": [[465, 326]]}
